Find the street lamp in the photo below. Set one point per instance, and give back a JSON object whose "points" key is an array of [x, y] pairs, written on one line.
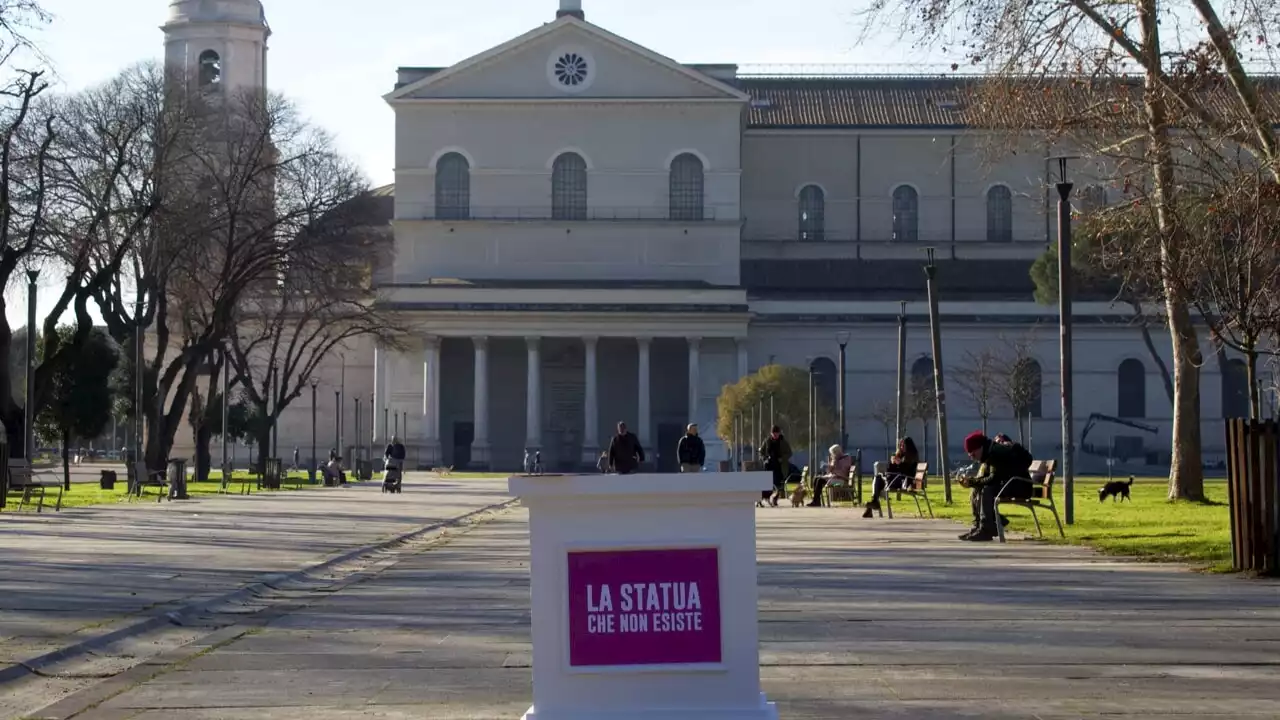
{"points": [[939, 391], [312, 473], [29, 436], [842, 337], [337, 422], [1064, 327], [900, 417], [358, 444], [811, 421]]}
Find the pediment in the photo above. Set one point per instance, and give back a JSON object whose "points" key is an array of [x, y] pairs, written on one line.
{"points": [[568, 59]]}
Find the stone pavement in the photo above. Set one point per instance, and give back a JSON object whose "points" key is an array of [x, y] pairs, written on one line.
{"points": [[132, 569], [865, 619]]}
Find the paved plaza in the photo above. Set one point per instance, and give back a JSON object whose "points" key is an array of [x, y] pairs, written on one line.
{"points": [[858, 619]]}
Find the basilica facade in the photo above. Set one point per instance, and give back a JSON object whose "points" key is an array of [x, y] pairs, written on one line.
{"points": [[587, 232]]}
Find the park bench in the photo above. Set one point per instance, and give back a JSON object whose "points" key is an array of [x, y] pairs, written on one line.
{"points": [[20, 482], [838, 486], [140, 478], [917, 490], [1041, 472]]}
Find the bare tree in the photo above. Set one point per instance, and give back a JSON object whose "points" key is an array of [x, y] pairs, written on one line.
{"points": [[244, 186], [1061, 68], [1019, 382], [885, 412], [978, 377], [288, 328], [922, 405]]}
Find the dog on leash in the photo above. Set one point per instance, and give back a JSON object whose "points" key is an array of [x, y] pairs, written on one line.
{"points": [[798, 495], [1117, 490]]}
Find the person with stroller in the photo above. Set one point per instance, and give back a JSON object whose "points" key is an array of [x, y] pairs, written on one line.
{"points": [[898, 473], [776, 452], [393, 463]]}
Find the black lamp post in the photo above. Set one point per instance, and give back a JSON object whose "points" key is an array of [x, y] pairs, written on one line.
{"points": [[226, 402], [899, 423], [314, 461], [1064, 327], [939, 390], [337, 422], [29, 436], [842, 337], [358, 444]]}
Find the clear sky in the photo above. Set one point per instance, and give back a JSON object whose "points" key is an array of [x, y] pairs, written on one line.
{"points": [[336, 58]]}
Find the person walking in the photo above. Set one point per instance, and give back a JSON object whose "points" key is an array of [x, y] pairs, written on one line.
{"points": [[776, 452], [691, 452], [625, 453]]}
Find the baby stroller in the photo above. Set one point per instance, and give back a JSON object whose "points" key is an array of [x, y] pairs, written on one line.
{"points": [[392, 477]]}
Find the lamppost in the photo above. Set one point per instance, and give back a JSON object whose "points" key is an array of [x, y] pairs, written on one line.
{"points": [[337, 422], [359, 445], [226, 400], [900, 419], [812, 431], [842, 337], [312, 474], [939, 391], [373, 420], [1064, 327], [29, 435]]}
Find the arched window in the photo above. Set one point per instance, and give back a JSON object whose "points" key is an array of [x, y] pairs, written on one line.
{"points": [[453, 187], [686, 187], [1131, 389], [827, 378], [813, 213], [1235, 389], [906, 214], [569, 188], [210, 72], [1026, 382], [999, 214]]}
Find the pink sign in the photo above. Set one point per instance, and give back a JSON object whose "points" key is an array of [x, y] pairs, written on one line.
{"points": [[644, 607]]}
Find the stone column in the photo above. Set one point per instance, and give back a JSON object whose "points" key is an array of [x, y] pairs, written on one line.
{"points": [[694, 381], [380, 357], [591, 406], [533, 401], [431, 403], [480, 449], [743, 366], [642, 422]]}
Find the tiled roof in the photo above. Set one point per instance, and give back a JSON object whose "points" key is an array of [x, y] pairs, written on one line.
{"points": [[854, 102], [942, 102]]}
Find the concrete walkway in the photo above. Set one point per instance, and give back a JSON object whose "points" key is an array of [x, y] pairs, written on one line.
{"points": [[134, 571], [859, 619]]}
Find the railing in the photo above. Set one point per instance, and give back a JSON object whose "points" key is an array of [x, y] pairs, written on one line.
{"points": [[543, 212]]}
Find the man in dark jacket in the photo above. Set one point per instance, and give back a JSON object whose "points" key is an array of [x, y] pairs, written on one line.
{"points": [[625, 453], [1007, 466], [776, 452], [691, 451]]}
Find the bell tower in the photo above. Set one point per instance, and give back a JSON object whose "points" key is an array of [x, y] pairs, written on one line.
{"points": [[218, 45]]}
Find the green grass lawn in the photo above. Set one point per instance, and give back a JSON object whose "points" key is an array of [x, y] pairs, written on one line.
{"points": [[1150, 528], [83, 494]]}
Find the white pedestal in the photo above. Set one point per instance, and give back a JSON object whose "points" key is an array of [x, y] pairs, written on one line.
{"points": [[644, 596]]}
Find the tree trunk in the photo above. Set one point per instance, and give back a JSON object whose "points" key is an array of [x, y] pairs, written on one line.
{"points": [[1255, 401], [262, 438], [66, 459], [204, 458], [1165, 378], [1186, 467]]}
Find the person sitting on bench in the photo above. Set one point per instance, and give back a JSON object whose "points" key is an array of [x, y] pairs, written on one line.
{"points": [[1005, 466], [839, 466], [896, 474]]}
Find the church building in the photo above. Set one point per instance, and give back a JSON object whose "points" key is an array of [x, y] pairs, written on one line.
{"points": [[587, 232]]}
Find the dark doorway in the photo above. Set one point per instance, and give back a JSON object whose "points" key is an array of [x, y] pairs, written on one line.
{"points": [[463, 434], [664, 451]]}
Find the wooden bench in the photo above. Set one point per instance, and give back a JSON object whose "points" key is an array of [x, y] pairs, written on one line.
{"points": [[1042, 472], [20, 482], [846, 487], [140, 478], [918, 490]]}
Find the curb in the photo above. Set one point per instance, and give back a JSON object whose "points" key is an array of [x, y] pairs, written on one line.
{"points": [[21, 668]]}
